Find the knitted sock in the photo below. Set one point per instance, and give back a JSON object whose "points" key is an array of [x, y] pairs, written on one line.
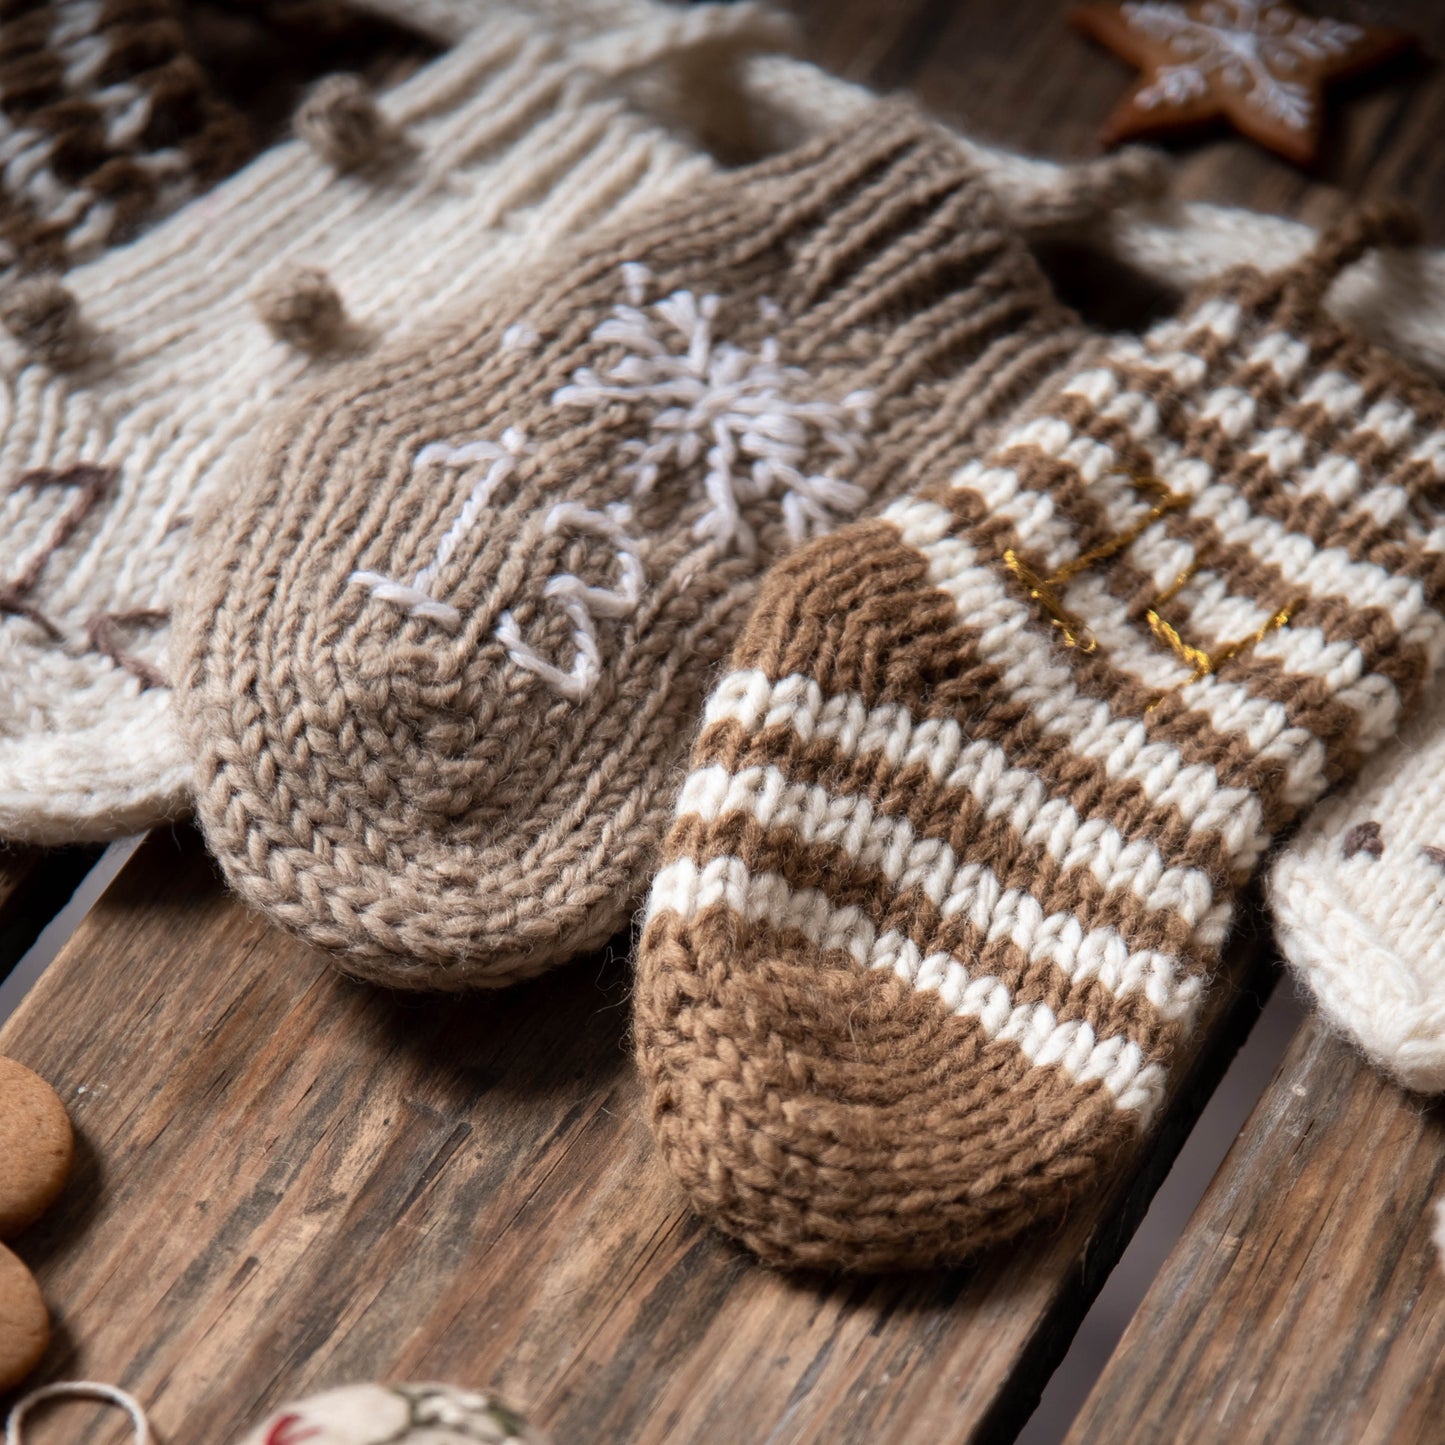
{"points": [[971, 805], [105, 121], [452, 633], [148, 371], [396, 1415], [1359, 905]]}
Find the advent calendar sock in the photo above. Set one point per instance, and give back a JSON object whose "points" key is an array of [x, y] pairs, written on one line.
{"points": [[106, 120], [971, 804], [1358, 900], [142, 377], [396, 1415], [452, 628]]}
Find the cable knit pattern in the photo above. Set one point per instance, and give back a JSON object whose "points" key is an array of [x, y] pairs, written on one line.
{"points": [[184, 341], [1359, 905], [452, 631], [105, 121], [973, 800]]}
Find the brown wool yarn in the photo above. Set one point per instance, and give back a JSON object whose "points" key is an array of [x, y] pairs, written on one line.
{"points": [[450, 630], [978, 788], [116, 123]]}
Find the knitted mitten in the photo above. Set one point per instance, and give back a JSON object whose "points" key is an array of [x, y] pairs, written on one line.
{"points": [[149, 370], [451, 635], [107, 120], [396, 1415], [1359, 905], [972, 802]]}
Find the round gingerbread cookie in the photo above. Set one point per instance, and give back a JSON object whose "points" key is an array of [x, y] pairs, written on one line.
{"points": [[24, 1324], [396, 1415], [35, 1147]]}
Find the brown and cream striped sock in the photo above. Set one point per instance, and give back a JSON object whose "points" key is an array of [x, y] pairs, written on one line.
{"points": [[106, 120], [971, 805], [451, 632]]}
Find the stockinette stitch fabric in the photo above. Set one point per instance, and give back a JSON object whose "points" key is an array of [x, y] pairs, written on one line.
{"points": [[150, 368], [106, 120], [1358, 901], [449, 638], [973, 800]]}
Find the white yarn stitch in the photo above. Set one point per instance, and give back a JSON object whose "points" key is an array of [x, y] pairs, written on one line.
{"points": [[582, 603], [745, 416]]}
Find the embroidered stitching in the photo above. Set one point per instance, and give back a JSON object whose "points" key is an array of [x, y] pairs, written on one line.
{"points": [[582, 603], [744, 415], [417, 596]]}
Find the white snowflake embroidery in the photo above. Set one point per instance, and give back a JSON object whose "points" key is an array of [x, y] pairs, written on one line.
{"points": [[1249, 45], [743, 418]]}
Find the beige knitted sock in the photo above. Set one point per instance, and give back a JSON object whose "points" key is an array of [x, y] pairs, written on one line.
{"points": [[1359, 905], [159, 361], [974, 799], [450, 634]]}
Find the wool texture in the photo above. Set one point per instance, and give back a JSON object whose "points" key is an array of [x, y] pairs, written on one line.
{"points": [[106, 121], [396, 1415], [175, 348], [1358, 901], [972, 802], [451, 633]]}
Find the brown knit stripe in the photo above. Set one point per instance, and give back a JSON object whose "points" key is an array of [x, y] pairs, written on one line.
{"points": [[831, 870], [890, 636], [958, 817], [1308, 700], [1324, 523]]}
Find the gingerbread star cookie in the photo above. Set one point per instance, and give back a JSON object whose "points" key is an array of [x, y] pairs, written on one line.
{"points": [[1259, 64], [35, 1149]]}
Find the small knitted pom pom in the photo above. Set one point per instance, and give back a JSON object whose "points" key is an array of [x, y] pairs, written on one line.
{"points": [[43, 316], [341, 121], [301, 306]]}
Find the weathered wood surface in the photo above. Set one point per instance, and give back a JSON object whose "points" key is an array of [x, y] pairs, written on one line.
{"points": [[287, 1180], [1305, 1301]]}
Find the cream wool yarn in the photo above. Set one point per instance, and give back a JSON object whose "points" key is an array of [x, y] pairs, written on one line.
{"points": [[448, 638], [510, 144], [1358, 900]]}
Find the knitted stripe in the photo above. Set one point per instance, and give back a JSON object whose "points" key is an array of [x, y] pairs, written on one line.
{"points": [[1359, 902], [463, 611], [1017, 744], [105, 120]]}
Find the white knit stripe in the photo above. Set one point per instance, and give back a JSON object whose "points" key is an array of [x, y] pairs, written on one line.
{"points": [[1115, 1061], [1032, 674], [890, 845], [1230, 706], [889, 734], [1327, 572]]}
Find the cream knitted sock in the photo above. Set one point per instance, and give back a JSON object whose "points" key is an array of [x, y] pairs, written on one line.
{"points": [[450, 634], [106, 120], [395, 1415], [973, 801], [160, 368], [1359, 905]]}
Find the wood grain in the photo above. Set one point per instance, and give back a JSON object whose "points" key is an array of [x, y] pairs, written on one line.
{"points": [[288, 1180], [1305, 1301]]}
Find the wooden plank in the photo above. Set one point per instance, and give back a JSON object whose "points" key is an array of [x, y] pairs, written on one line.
{"points": [[1305, 1301], [287, 1180]]}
